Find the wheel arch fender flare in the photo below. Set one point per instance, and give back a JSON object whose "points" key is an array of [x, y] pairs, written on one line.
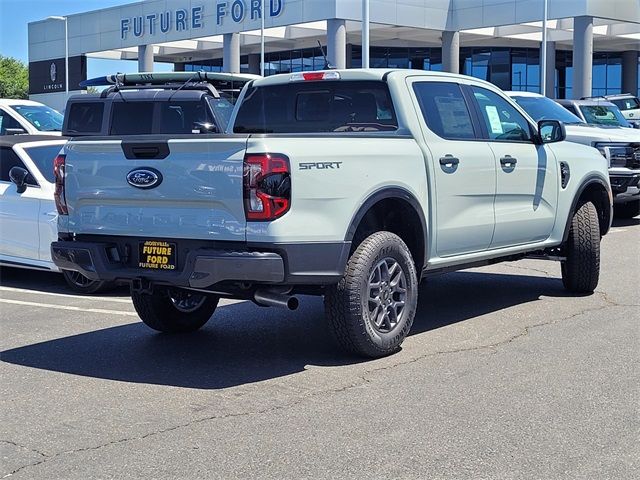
{"points": [[590, 180], [390, 192]]}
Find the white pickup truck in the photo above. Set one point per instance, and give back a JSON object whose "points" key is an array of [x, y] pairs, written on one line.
{"points": [[352, 184]]}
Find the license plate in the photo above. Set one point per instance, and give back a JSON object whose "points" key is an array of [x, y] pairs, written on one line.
{"points": [[157, 255]]}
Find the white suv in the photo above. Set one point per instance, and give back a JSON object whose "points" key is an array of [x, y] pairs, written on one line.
{"points": [[25, 116], [629, 105]]}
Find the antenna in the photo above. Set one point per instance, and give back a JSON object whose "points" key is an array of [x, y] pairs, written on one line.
{"points": [[184, 84], [327, 65]]}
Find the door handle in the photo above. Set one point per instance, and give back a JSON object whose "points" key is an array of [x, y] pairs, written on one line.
{"points": [[508, 161], [449, 161]]}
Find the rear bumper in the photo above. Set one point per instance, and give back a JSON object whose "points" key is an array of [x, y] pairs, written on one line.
{"points": [[200, 267]]}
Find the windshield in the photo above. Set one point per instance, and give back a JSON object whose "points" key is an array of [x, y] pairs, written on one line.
{"points": [[43, 118], [43, 158], [624, 104], [603, 115], [543, 108]]}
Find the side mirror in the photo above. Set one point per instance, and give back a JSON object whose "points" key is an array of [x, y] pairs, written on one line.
{"points": [[551, 131], [14, 131], [204, 127], [18, 175]]}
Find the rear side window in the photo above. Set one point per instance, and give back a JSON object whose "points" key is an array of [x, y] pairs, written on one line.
{"points": [[43, 158], [309, 107], [445, 110], [131, 118], [85, 117]]}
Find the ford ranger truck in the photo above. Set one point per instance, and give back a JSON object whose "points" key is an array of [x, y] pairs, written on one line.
{"points": [[350, 184]]}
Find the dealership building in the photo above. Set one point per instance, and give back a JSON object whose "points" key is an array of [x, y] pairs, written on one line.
{"points": [[592, 47]]}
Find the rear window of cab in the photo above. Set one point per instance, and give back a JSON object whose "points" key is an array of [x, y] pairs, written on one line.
{"points": [[317, 107]]}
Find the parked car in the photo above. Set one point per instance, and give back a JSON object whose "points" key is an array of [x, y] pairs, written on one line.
{"points": [[629, 105], [25, 116], [596, 112], [620, 146], [28, 217], [352, 184], [187, 102]]}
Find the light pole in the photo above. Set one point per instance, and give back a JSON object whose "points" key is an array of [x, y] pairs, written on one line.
{"points": [[365, 33], [543, 53], [66, 53], [262, 39]]}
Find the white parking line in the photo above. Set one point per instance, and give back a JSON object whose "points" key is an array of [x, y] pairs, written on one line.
{"points": [[65, 295], [65, 307]]}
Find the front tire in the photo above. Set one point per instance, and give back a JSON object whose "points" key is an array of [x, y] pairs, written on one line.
{"points": [[81, 284], [174, 310], [581, 269], [371, 310]]}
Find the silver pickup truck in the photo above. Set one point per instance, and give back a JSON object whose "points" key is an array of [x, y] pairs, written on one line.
{"points": [[352, 184]]}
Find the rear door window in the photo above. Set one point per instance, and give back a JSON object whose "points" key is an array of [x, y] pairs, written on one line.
{"points": [[326, 106], [445, 110]]}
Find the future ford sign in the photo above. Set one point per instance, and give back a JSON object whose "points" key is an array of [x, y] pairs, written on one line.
{"points": [[184, 19]]}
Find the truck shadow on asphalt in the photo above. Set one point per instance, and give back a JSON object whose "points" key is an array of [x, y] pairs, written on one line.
{"points": [[244, 343]]}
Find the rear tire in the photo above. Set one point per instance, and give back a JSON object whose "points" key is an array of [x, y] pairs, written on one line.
{"points": [[81, 284], [581, 269], [174, 310], [627, 210], [371, 310]]}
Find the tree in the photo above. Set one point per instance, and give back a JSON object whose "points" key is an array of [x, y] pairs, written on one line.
{"points": [[14, 78]]}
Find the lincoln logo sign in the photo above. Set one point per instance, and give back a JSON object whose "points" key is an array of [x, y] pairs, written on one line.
{"points": [[144, 178], [184, 19]]}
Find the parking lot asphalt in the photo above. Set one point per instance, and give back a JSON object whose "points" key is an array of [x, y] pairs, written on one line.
{"points": [[505, 376]]}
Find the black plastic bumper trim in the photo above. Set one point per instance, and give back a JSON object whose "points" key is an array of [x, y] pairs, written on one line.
{"points": [[202, 267]]}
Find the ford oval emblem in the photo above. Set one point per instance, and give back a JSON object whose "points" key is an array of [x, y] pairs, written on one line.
{"points": [[144, 178]]}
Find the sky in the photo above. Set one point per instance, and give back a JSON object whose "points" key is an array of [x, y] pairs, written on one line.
{"points": [[16, 14]]}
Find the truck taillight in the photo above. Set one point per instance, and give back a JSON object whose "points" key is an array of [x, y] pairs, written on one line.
{"points": [[267, 186], [58, 195]]}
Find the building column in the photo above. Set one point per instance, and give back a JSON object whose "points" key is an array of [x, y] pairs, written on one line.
{"points": [[231, 53], [582, 56], [451, 52], [254, 63], [178, 67], [630, 72], [145, 58], [550, 74], [337, 43]]}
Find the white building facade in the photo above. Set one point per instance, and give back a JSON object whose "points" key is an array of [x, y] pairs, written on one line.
{"points": [[593, 45]]}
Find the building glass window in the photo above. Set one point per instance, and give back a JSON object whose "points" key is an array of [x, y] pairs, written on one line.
{"points": [[508, 68]]}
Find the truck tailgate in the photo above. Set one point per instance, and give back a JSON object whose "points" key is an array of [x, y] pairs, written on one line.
{"points": [[198, 193]]}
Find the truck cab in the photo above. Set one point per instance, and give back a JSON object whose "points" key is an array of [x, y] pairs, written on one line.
{"points": [[160, 103]]}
